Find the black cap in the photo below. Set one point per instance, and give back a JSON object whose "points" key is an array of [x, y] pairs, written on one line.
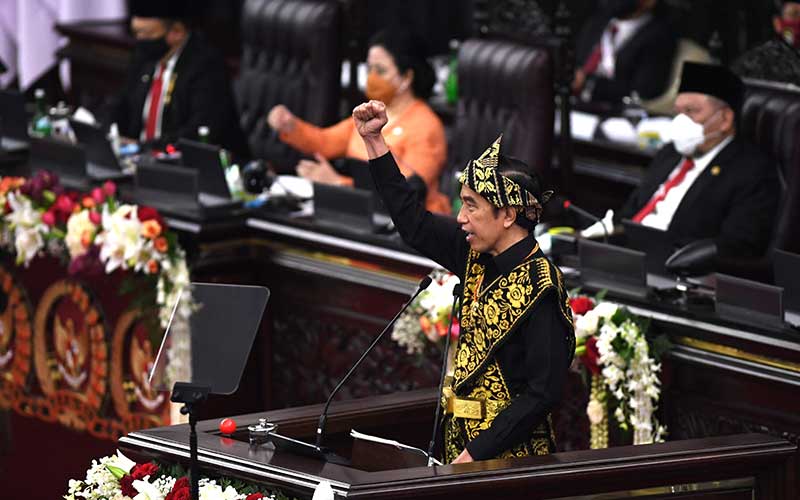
{"points": [[163, 9], [714, 80]]}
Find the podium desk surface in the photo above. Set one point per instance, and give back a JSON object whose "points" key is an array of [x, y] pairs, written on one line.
{"points": [[712, 465]]}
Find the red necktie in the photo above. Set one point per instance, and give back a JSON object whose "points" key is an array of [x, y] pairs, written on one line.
{"points": [[155, 102], [687, 165], [593, 62]]}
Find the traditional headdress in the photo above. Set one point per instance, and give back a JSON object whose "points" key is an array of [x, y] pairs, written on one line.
{"points": [[481, 175], [714, 80]]}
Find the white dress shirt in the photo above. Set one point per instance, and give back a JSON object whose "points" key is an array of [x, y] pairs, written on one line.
{"points": [[661, 216], [626, 28]]}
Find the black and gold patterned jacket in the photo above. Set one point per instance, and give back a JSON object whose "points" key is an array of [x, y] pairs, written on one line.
{"points": [[517, 338]]}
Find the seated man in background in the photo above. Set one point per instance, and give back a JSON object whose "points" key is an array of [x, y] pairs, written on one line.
{"points": [[624, 48], [400, 77], [177, 82], [709, 183], [779, 58]]}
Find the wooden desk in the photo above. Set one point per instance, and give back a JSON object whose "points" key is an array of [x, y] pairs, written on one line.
{"points": [[734, 467]]}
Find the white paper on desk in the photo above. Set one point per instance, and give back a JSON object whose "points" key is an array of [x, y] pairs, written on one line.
{"points": [[295, 186], [583, 125], [619, 130]]}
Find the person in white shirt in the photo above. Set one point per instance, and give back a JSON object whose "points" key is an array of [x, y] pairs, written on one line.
{"points": [[626, 48], [709, 183]]}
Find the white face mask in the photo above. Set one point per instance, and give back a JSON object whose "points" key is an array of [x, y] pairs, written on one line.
{"points": [[688, 135]]}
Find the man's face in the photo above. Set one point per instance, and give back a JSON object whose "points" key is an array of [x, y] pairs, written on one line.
{"points": [[791, 11], [716, 118], [478, 219], [148, 28]]}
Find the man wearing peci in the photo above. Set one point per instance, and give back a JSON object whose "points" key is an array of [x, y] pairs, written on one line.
{"points": [[517, 339], [709, 183], [176, 83]]}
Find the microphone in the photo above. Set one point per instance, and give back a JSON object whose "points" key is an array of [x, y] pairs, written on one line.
{"points": [[570, 207], [425, 283], [456, 300]]}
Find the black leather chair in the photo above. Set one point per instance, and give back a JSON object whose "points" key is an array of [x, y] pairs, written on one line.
{"points": [[291, 55], [771, 119], [507, 88]]}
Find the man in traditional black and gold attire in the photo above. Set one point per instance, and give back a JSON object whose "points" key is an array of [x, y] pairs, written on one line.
{"points": [[517, 339]]}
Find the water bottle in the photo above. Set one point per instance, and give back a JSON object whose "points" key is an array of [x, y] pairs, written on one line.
{"points": [[451, 84], [40, 124]]}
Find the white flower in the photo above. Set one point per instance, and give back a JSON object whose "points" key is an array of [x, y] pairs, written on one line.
{"points": [[120, 241], [123, 462], [605, 310], [147, 491], [78, 225], [27, 243], [586, 325], [596, 411], [26, 222]]}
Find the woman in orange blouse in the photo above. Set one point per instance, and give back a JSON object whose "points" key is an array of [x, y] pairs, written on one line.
{"points": [[401, 78]]}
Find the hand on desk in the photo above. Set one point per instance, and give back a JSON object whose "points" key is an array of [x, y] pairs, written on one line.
{"points": [[318, 171], [463, 458]]}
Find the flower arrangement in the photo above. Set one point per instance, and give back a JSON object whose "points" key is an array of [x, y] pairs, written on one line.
{"points": [[612, 346], [93, 233], [117, 477], [426, 319]]}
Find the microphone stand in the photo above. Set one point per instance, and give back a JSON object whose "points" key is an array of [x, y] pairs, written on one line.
{"points": [[587, 215], [426, 281], [453, 312]]}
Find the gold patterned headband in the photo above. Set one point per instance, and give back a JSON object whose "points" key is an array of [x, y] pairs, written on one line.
{"points": [[481, 175]]}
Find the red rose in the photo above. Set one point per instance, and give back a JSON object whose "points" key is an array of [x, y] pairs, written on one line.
{"points": [[64, 204], [255, 496], [98, 195], [126, 484], [179, 494], [180, 490], [149, 213], [95, 217], [581, 305], [142, 470], [109, 188], [181, 483], [591, 357], [49, 218]]}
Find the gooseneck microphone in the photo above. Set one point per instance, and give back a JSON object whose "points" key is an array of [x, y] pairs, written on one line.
{"points": [[426, 281], [453, 312], [571, 207]]}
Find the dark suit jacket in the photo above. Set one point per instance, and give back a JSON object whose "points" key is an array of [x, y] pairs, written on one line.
{"points": [[643, 63], [201, 95], [736, 207]]}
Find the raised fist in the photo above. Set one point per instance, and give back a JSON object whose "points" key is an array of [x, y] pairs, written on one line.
{"points": [[370, 118], [281, 119]]}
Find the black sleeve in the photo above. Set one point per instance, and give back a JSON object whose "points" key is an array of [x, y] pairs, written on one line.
{"points": [[437, 237], [546, 367]]}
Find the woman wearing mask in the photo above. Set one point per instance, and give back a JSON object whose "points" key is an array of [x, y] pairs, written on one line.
{"points": [[399, 76]]}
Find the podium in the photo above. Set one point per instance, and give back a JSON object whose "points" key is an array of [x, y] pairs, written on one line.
{"points": [[732, 467]]}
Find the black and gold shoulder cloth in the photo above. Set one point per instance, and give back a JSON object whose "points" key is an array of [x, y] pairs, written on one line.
{"points": [[489, 316]]}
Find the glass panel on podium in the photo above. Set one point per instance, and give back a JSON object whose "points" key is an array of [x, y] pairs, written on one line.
{"points": [[211, 330]]}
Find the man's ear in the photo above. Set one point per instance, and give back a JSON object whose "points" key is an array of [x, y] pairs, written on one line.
{"points": [[509, 216], [728, 119]]}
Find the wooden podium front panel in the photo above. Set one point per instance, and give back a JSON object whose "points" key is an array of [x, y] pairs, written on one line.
{"points": [[733, 467]]}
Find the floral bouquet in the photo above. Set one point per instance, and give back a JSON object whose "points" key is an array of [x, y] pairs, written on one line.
{"points": [[117, 477], [427, 318], [93, 233], [612, 346]]}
